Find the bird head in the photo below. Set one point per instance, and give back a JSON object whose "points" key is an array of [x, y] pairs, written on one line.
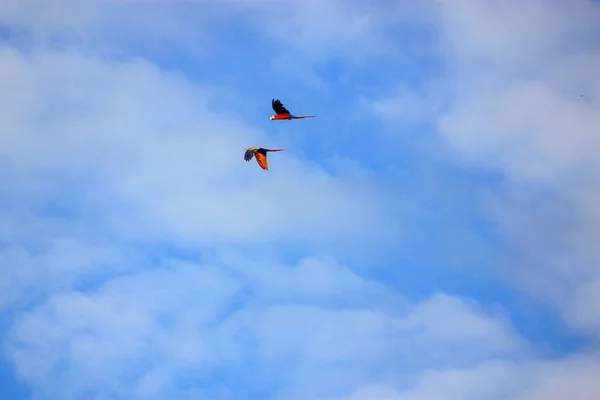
{"points": [[272, 117]]}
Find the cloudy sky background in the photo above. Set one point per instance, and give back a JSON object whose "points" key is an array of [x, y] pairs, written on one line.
{"points": [[432, 234]]}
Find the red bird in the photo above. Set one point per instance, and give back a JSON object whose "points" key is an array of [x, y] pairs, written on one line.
{"points": [[282, 113], [260, 154]]}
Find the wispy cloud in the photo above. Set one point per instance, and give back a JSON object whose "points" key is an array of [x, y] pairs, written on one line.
{"points": [[530, 116], [197, 319]]}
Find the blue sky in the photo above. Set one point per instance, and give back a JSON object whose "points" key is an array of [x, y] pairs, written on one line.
{"points": [[430, 235]]}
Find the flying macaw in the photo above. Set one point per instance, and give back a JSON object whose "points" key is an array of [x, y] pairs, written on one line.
{"points": [[282, 113], [261, 155]]}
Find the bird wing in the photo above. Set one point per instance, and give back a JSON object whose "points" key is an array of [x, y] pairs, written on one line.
{"points": [[249, 154], [261, 159], [278, 107]]}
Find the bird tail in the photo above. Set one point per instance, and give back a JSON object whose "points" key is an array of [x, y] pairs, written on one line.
{"points": [[303, 116], [276, 149]]}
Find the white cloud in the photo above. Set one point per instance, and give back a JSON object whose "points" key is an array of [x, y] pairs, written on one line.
{"points": [[406, 106], [518, 106], [134, 138], [522, 92], [147, 331], [573, 377], [525, 106], [32, 272], [317, 28], [101, 157], [523, 96], [135, 325]]}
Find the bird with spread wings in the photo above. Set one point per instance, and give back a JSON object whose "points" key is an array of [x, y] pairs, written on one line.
{"points": [[282, 113], [260, 154]]}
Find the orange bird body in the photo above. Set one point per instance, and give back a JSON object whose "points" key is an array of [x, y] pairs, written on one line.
{"points": [[282, 113], [260, 154]]}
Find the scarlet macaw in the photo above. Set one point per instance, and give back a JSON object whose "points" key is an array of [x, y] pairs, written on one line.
{"points": [[282, 113], [261, 155]]}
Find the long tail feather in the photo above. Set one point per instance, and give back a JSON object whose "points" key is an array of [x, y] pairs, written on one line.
{"points": [[276, 149], [303, 116]]}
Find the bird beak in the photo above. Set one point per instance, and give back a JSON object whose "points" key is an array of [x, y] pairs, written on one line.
{"points": [[272, 117]]}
